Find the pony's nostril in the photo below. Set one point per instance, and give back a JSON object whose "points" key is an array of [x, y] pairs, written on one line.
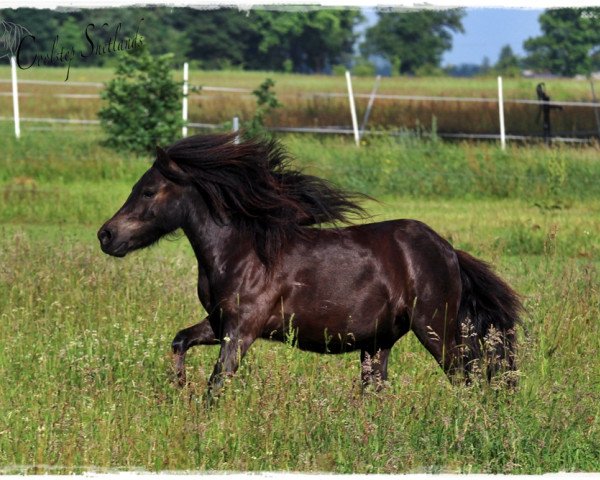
{"points": [[105, 236]]}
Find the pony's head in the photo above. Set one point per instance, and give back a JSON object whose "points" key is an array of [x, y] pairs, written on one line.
{"points": [[152, 210], [248, 185]]}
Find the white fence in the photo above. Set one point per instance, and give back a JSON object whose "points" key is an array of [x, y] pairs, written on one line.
{"points": [[247, 91], [339, 130]]}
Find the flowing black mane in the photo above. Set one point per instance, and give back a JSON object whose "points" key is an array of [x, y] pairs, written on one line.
{"points": [[252, 184]]}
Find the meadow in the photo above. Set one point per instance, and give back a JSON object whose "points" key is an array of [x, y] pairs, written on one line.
{"points": [[304, 106], [85, 366], [562, 88]]}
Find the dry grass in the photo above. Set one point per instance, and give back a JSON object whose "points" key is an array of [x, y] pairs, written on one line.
{"points": [[302, 107]]}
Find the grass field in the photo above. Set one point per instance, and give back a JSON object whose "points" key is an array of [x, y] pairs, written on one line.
{"points": [[302, 108], [562, 89], [85, 373]]}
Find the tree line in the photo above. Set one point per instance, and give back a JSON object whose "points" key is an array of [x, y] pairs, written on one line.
{"points": [[318, 40]]}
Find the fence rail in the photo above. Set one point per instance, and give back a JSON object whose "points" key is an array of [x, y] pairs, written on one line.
{"points": [[339, 130], [247, 91], [333, 130]]}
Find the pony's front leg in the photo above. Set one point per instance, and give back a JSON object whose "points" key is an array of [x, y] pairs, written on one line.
{"points": [[199, 334], [233, 349]]}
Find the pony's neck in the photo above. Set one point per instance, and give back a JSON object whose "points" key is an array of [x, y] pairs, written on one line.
{"points": [[214, 244]]}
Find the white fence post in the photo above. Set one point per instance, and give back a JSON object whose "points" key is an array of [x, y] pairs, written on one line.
{"points": [[501, 113], [370, 105], [15, 95], [352, 109], [236, 128], [184, 129]]}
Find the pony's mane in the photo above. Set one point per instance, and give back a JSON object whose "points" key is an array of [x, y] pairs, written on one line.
{"points": [[251, 184]]}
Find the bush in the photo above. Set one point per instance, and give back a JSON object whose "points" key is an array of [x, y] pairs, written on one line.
{"points": [[266, 102], [363, 68], [429, 70], [143, 103], [339, 70]]}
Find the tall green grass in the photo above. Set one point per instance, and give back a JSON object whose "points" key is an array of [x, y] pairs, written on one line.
{"points": [[410, 166], [85, 368], [405, 165]]}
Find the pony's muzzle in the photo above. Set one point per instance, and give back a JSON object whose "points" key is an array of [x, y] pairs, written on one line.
{"points": [[105, 236], [108, 244]]}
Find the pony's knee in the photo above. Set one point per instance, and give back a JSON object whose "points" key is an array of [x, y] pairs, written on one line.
{"points": [[180, 343]]}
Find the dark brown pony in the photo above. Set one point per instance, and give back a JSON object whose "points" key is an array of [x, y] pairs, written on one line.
{"points": [[265, 270]]}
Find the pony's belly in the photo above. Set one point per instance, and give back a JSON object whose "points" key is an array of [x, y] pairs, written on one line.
{"points": [[334, 343], [325, 334]]}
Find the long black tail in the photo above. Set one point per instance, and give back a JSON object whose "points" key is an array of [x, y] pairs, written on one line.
{"points": [[489, 312]]}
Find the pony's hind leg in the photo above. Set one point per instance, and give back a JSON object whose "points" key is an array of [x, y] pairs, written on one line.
{"points": [[374, 364], [199, 334], [437, 333]]}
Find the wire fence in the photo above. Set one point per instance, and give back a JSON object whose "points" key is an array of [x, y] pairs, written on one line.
{"points": [[583, 131], [377, 96]]}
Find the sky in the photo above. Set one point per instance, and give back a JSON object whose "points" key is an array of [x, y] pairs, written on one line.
{"points": [[487, 30]]}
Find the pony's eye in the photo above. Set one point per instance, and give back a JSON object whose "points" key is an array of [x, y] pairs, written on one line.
{"points": [[148, 193]]}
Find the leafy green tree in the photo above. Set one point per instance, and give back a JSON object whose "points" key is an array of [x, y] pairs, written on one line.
{"points": [[264, 39], [70, 27], [216, 38], [508, 63], [42, 25], [312, 40], [143, 103], [301, 40], [154, 23], [71, 35], [569, 44], [485, 67], [411, 40]]}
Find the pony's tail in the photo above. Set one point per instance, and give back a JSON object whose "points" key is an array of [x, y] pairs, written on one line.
{"points": [[489, 312]]}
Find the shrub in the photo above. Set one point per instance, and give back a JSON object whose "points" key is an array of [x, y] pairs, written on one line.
{"points": [[339, 70], [143, 103], [266, 102], [363, 68]]}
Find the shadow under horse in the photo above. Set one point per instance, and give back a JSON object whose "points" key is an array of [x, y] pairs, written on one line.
{"points": [[267, 268]]}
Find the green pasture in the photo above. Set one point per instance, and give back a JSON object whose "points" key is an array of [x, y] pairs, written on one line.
{"points": [[85, 365]]}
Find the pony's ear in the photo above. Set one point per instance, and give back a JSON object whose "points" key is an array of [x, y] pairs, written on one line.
{"points": [[168, 167], [161, 155]]}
